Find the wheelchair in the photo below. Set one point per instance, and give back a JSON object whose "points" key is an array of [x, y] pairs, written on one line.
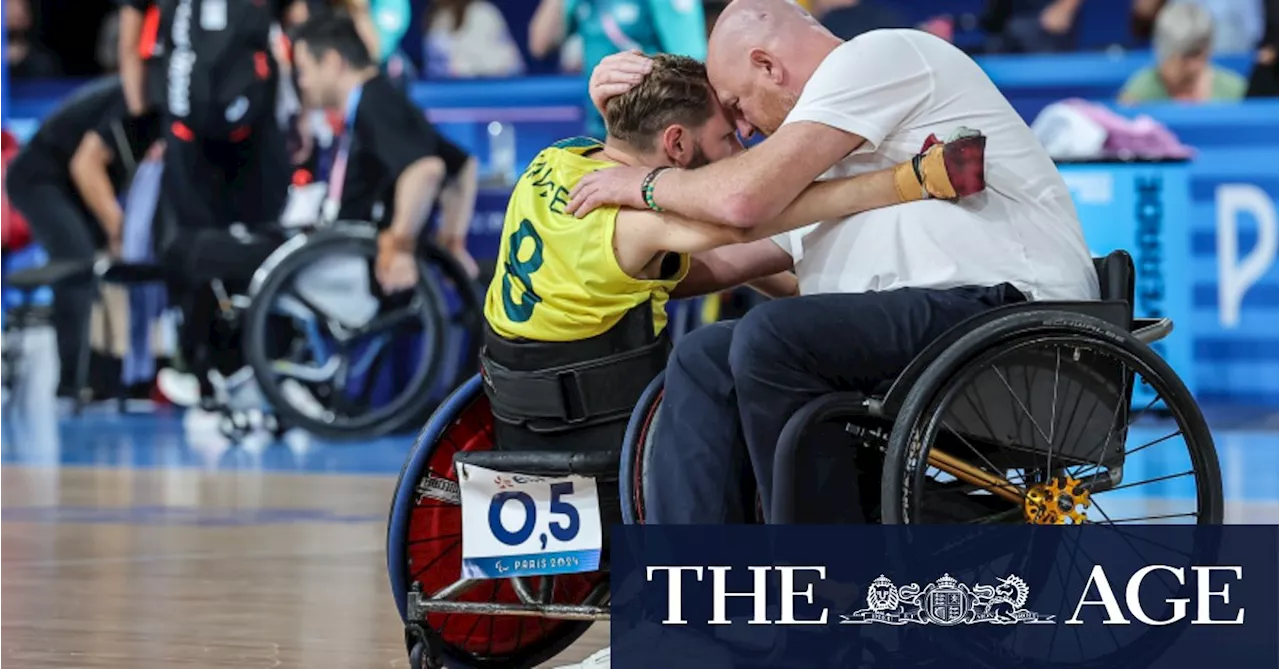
{"points": [[331, 354], [1032, 413]]}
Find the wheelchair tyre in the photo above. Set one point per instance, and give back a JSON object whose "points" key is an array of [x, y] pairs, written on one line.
{"points": [[634, 482], [424, 550], [465, 321], [410, 404], [918, 421], [636, 452]]}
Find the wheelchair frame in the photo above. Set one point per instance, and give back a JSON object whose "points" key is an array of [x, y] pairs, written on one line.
{"points": [[1097, 321], [242, 307]]}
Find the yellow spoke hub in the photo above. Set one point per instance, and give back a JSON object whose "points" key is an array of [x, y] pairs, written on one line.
{"points": [[1056, 502]]}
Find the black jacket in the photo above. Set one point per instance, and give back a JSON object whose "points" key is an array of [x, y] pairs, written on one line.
{"points": [[1265, 81]]}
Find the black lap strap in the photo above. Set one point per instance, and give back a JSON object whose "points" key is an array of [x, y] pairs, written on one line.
{"points": [[574, 393]]}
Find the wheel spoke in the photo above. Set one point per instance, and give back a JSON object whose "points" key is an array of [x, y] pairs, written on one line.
{"points": [[994, 470], [1189, 472], [1053, 415], [1158, 517], [1023, 407]]}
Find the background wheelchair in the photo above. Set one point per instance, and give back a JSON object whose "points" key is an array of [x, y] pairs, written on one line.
{"points": [[327, 352], [1039, 413]]}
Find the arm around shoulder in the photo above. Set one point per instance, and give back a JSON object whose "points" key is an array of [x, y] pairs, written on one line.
{"points": [[756, 186]]}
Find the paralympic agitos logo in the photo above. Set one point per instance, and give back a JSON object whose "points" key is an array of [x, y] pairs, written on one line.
{"points": [[785, 595]]}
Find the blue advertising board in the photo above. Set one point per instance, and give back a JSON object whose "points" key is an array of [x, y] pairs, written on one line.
{"points": [[1141, 208], [1210, 244]]}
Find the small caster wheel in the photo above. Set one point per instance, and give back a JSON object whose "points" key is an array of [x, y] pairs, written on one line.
{"points": [[416, 655]]}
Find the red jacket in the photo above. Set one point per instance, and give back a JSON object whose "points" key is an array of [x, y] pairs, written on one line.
{"points": [[14, 230]]}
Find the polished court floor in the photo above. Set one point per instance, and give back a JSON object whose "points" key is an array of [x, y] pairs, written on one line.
{"points": [[148, 540]]}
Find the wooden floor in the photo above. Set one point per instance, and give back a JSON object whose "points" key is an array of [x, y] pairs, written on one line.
{"points": [[149, 541], [134, 569]]}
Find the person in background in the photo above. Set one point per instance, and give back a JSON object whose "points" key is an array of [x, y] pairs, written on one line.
{"points": [[67, 181], [392, 163], [847, 19], [24, 55], [607, 27], [140, 57], [470, 38], [1238, 25], [1262, 81], [1031, 26], [1183, 43], [381, 24]]}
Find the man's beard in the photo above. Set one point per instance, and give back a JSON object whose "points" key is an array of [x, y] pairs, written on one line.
{"points": [[775, 111], [698, 159]]}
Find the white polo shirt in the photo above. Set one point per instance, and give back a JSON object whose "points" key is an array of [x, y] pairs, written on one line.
{"points": [[894, 88]]}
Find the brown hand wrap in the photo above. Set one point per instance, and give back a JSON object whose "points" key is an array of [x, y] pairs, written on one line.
{"points": [[943, 171]]}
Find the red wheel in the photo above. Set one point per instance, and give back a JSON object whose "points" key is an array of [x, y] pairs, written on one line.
{"points": [[642, 449], [433, 549]]}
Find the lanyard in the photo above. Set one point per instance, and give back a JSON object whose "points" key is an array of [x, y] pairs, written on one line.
{"points": [[338, 175]]}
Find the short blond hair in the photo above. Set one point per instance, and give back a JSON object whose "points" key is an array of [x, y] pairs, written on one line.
{"points": [[675, 91]]}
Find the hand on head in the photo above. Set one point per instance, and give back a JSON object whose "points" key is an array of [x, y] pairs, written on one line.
{"points": [[616, 75]]}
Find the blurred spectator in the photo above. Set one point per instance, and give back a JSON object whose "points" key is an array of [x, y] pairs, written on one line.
{"points": [[66, 182], [849, 18], [610, 26], [470, 38], [1262, 81], [1031, 26], [1183, 43], [25, 56], [382, 24], [1238, 24]]}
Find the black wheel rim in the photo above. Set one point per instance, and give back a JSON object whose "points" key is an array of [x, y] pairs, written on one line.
{"points": [[1130, 432]]}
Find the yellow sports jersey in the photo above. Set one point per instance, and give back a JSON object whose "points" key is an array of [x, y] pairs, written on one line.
{"points": [[557, 278]]}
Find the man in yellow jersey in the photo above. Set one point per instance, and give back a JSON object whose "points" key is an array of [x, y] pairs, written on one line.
{"points": [[576, 309]]}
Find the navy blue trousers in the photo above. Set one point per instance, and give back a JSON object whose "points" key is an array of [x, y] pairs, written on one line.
{"points": [[732, 386]]}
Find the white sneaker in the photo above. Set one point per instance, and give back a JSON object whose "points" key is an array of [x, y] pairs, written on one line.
{"points": [[301, 399], [598, 660], [180, 388]]}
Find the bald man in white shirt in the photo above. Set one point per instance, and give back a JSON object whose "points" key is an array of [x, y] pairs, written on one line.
{"points": [[877, 287]]}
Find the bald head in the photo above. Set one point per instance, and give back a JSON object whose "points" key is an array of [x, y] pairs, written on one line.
{"points": [[757, 22], [760, 56]]}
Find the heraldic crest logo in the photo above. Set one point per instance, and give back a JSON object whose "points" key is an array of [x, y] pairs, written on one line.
{"points": [[947, 602]]}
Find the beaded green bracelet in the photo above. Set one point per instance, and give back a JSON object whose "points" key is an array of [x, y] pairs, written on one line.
{"points": [[646, 188]]}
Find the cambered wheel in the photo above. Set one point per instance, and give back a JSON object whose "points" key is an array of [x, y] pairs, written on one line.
{"points": [[463, 310], [636, 452], [1034, 399], [634, 479], [425, 550], [1047, 418], [330, 379]]}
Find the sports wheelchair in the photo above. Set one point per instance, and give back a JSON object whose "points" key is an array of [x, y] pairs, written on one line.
{"points": [[334, 356], [1029, 413]]}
